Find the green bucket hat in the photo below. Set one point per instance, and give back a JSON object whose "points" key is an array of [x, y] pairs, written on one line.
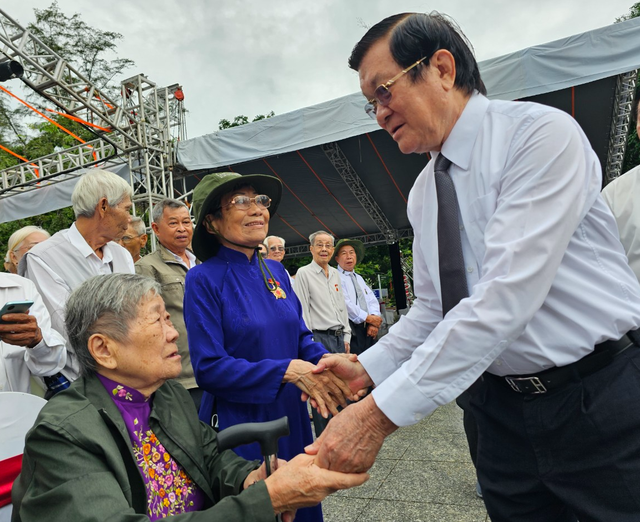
{"points": [[214, 186], [357, 245]]}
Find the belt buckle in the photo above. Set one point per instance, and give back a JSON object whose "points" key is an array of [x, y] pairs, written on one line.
{"points": [[535, 381]]}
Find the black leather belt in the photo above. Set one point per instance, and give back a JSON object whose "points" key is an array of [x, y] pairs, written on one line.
{"points": [[337, 333], [552, 378]]}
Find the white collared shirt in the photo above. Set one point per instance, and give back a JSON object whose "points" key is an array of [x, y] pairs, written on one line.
{"points": [[356, 313], [546, 271], [55, 288], [18, 363], [623, 197], [190, 257]]}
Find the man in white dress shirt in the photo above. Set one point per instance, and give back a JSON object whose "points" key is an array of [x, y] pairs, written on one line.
{"points": [[623, 197], [362, 305], [28, 344], [101, 203], [549, 323]]}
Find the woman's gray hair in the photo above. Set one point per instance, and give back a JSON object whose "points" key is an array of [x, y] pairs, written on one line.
{"points": [[17, 238], [105, 304], [94, 186]]}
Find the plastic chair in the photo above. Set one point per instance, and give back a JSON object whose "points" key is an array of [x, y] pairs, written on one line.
{"points": [[18, 412]]}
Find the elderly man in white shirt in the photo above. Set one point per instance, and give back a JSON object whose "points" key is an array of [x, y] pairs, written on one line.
{"points": [[101, 203], [362, 305], [521, 284], [28, 344]]}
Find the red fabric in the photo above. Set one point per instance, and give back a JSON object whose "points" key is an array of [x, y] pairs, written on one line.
{"points": [[9, 470]]}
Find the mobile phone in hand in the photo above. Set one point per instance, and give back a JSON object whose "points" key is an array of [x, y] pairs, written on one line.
{"points": [[15, 307]]}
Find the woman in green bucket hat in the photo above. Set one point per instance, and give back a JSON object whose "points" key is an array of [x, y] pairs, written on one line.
{"points": [[250, 349]]}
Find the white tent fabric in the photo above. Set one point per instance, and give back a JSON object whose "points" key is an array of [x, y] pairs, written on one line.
{"points": [[47, 198], [571, 61]]}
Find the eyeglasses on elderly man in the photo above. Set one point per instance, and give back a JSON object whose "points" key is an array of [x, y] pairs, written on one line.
{"points": [[124, 441]]}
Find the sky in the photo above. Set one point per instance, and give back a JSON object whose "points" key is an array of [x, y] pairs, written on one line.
{"points": [[249, 57]]}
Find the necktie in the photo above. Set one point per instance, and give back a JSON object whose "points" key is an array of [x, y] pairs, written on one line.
{"points": [[453, 281], [360, 300]]}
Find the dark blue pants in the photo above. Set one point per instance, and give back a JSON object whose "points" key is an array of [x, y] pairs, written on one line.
{"points": [[570, 454], [333, 344]]}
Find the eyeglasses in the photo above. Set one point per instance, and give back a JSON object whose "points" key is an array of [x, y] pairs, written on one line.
{"points": [[278, 248], [328, 246], [244, 202], [382, 95]]}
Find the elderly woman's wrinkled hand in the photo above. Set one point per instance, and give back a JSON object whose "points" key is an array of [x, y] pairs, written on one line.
{"points": [[325, 388], [300, 483]]}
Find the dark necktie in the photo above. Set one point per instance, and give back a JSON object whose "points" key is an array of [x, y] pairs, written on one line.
{"points": [[453, 281]]}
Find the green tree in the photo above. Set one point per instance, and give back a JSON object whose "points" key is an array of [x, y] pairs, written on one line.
{"points": [[242, 120]]}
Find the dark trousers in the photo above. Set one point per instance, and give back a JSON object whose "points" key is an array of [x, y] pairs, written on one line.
{"points": [[360, 341], [333, 344], [469, 423], [566, 455]]}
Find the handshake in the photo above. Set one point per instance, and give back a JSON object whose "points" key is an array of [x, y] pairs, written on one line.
{"points": [[353, 438]]}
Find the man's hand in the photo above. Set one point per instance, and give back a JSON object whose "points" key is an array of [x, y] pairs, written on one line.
{"points": [[20, 330], [372, 331], [347, 347], [352, 439], [327, 389], [300, 483], [374, 320], [348, 368]]}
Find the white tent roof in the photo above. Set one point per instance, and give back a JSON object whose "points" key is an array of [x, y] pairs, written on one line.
{"points": [[568, 62]]}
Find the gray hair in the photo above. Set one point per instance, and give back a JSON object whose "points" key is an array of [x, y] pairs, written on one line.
{"points": [[313, 236], [158, 208], [266, 240], [94, 186], [138, 225], [105, 304]]}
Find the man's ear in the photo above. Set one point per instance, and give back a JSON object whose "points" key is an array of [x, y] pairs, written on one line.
{"points": [[143, 240], [154, 227], [102, 206], [103, 350], [445, 64]]}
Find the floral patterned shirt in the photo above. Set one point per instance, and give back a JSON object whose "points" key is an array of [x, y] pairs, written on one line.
{"points": [[170, 491]]}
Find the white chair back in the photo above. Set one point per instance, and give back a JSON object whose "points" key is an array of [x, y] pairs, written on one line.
{"points": [[18, 412]]}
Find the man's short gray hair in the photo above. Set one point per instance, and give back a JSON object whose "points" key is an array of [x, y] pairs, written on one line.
{"points": [[94, 186], [266, 240], [105, 304], [313, 236], [138, 225], [158, 208]]}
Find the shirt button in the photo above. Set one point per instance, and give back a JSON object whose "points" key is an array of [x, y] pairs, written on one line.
{"points": [[498, 362], [461, 227], [470, 269], [416, 416]]}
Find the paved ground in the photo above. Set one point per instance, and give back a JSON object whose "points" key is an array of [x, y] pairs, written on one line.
{"points": [[422, 474]]}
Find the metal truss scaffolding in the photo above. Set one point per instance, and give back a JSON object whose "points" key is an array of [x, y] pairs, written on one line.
{"points": [[359, 190], [140, 127], [625, 89]]}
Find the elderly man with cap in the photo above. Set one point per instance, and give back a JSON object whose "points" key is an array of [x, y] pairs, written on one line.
{"points": [[362, 306], [101, 203]]}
